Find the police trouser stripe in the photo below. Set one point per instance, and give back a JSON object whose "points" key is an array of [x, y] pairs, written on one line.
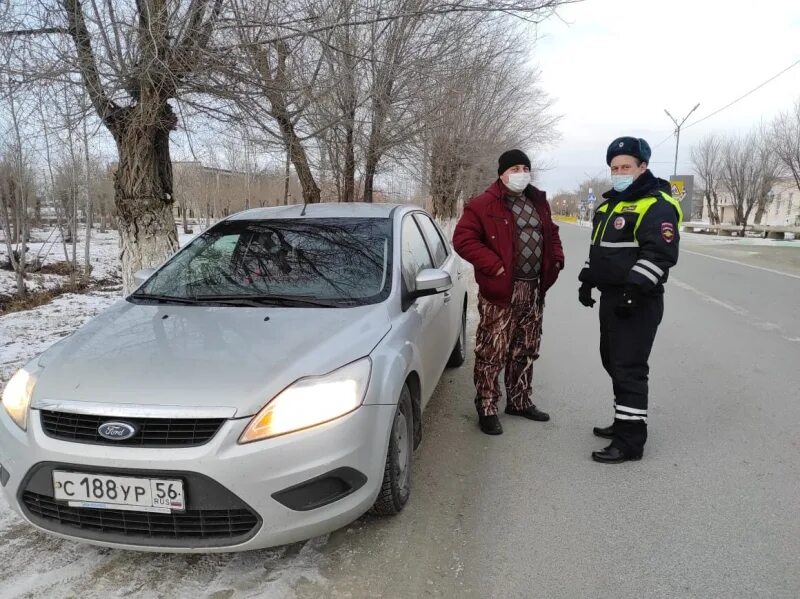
{"points": [[621, 416], [628, 410]]}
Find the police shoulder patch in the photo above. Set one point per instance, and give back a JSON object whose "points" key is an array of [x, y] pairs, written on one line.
{"points": [[668, 232]]}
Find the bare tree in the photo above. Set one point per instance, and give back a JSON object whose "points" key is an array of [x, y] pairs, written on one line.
{"points": [[15, 187], [485, 107], [750, 169], [132, 59], [707, 160], [741, 176], [566, 203], [786, 135], [364, 82], [137, 60], [771, 170]]}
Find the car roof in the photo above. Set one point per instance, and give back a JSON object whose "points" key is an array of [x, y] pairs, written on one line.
{"points": [[324, 210]]}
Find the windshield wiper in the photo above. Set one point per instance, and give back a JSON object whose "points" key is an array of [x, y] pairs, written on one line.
{"points": [[265, 300], [164, 299]]}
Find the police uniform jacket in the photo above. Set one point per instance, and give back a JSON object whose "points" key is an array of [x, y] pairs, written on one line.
{"points": [[634, 237]]}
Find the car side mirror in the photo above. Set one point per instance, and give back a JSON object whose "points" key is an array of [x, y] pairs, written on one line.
{"points": [[142, 275], [432, 281]]}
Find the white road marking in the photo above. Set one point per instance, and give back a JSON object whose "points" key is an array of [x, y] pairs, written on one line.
{"points": [[772, 270], [739, 311]]}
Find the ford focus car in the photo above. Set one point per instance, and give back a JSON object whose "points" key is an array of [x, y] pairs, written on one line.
{"points": [[263, 386]]}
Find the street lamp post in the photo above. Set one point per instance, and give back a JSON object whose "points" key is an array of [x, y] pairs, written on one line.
{"points": [[678, 133]]}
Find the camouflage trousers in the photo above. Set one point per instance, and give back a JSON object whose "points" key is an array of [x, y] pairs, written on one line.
{"points": [[508, 337]]}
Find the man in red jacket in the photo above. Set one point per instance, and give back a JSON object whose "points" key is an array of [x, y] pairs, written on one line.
{"points": [[508, 235]]}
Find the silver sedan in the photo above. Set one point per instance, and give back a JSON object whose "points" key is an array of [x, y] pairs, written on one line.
{"points": [[265, 385]]}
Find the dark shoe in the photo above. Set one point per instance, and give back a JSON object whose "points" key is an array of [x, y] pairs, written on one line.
{"points": [[490, 425], [605, 433], [613, 455], [531, 413]]}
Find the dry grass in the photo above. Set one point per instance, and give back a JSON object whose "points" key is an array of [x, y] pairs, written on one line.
{"points": [[566, 219], [62, 268], [34, 299]]}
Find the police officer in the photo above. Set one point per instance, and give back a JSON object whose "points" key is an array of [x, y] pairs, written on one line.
{"points": [[634, 244]]}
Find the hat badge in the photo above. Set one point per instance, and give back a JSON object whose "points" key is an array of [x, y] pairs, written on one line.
{"points": [[621, 144]]}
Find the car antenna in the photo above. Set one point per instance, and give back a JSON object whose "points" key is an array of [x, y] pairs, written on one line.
{"points": [[305, 203]]}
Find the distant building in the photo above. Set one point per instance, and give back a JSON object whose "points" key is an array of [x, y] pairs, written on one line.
{"points": [[783, 208], [208, 192]]}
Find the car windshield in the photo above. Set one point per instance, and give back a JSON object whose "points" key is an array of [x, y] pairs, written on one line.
{"points": [[300, 262]]}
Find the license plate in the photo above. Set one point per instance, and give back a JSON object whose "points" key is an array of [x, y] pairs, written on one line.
{"points": [[100, 491]]}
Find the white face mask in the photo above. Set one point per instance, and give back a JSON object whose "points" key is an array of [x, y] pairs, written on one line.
{"points": [[517, 182]]}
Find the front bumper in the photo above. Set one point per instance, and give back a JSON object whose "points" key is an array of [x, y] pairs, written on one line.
{"points": [[220, 475]]}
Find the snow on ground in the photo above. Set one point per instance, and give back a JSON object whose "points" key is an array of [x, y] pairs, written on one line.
{"points": [[722, 240], [50, 568], [714, 239], [46, 246]]}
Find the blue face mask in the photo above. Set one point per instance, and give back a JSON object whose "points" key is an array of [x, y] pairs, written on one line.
{"points": [[621, 182]]}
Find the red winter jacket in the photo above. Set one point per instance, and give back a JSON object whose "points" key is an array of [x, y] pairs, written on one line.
{"points": [[485, 236]]}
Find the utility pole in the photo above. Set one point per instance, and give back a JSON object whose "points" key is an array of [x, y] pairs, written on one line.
{"points": [[678, 133]]}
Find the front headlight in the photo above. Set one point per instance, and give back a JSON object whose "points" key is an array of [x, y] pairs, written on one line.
{"points": [[311, 401], [17, 397]]}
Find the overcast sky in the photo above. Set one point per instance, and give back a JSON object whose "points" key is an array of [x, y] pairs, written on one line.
{"points": [[613, 66]]}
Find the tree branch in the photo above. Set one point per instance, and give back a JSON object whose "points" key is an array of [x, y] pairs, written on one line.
{"points": [[106, 109], [39, 31]]}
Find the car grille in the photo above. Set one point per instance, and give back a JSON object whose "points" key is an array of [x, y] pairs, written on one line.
{"points": [[192, 524], [152, 432]]}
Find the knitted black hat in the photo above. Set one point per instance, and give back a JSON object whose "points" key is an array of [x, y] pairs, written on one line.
{"points": [[628, 146], [512, 158]]}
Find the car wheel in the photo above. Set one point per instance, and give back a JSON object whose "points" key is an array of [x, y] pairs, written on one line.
{"points": [[459, 355], [396, 486]]}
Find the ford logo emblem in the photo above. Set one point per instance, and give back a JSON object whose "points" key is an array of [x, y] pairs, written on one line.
{"points": [[116, 431]]}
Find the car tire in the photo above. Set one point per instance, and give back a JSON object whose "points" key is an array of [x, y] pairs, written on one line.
{"points": [[459, 355], [396, 485]]}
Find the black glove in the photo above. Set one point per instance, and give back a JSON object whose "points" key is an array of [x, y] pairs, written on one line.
{"points": [[585, 295], [629, 301]]}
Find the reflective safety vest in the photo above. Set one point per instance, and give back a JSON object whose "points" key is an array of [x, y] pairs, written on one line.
{"points": [[634, 242]]}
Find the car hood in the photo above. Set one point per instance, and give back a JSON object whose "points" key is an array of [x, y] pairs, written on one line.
{"points": [[203, 356]]}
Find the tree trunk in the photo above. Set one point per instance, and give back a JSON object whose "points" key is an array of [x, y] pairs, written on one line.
{"points": [[184, 218], [442, 182], [74, 220], [12, 255], [87, 252], [759, 215], [143, 193], [710, 209], [371, 166], [311, 192], [369, 180], [349, 173], [715, 210], [286, 174]]}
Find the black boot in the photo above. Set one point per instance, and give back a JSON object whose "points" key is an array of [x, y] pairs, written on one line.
{"points": [[531, 413], [605, 433], [614, 455], [490, 424]]}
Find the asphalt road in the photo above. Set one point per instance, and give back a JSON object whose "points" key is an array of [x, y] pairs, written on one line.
{"points": [[713, 509]]}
